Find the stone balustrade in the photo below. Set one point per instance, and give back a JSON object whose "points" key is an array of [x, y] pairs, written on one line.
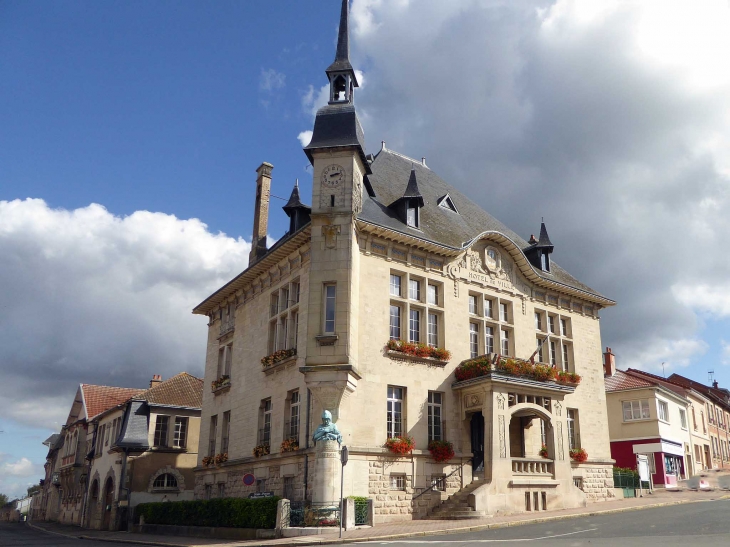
{"points": [[532, 466]]}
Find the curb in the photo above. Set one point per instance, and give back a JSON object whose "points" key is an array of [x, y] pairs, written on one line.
{"points": [[337, 541]]}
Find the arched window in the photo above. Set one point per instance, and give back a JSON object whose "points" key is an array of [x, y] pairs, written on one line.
{"points": [[166, 480]]}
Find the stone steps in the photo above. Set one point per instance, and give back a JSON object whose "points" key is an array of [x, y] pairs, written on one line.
{"points": [[457, 506]]}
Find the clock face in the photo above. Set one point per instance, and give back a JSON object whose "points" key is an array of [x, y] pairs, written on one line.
{"points": [[333, 175]]}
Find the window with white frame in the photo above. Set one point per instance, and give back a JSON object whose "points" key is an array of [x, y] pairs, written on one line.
{"points": [[423, 317], [488, 339], [284, 317], [573, 435], [180, 436], [433, 330], [294, 408], [164, 481], [683, 418], [553, 357], [265, 432], [505, 342], [489, 308], [394, 421], [636, 410], [551, 324], [663, 410], [161, 423], [225, 360], [225, 431], [473, 308], [395, 285], [540, 345], [504, 312], [330, 302], [564, 331], [473, 339], [397, 482], [435, 429], [538, 321]]}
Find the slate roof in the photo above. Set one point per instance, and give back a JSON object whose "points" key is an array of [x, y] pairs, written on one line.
{"points": [[337, 125], [621, 381], [133, 434], [184, 390], [342, 56], [390, 177], [100, 398]]}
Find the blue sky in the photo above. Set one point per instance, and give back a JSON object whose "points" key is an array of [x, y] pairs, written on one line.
{"points": [[130, 133]]}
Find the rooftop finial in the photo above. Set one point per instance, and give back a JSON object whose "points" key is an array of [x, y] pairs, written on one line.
{"points": [[341, 75], [296, 184], [343, 38]]}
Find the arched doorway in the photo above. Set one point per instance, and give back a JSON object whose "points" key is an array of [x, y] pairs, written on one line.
{"points": [[94, 505], [529, 432], [107, 507], [477, 441]]}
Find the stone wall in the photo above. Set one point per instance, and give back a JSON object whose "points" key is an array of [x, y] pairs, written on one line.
{"points": [[596, 481]]}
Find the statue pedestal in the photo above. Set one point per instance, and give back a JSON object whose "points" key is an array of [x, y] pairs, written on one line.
{"points": [[327, 471]]}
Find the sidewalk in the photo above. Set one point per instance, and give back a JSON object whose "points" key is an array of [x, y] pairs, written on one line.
{"points": [[397, 530]]}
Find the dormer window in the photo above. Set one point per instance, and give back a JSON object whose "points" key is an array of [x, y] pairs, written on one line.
{"points": [[447, 203], [412, 216], [545, 261]]}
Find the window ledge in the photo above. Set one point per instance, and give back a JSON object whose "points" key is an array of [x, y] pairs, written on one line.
{"points": [[284, 363], [326, 339], [400, 356], [221, 389]]}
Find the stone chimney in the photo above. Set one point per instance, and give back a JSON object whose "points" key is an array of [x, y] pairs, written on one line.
{"points": [[156, 379], [609, 363], [715, 384], [261, 213]]}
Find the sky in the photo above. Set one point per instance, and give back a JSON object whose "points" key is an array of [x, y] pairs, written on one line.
{"points": [[130, 133]]}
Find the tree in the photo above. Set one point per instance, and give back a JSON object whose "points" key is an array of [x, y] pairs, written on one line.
{"points": [[34, 489], [3, 499]]}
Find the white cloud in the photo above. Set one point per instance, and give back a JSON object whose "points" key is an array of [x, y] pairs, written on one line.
{"points": [[271, 80], [305, 137], [725, 352], [21, 468], [92, 297], [585, 113]]}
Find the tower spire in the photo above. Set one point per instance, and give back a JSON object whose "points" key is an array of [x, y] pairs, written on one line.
{"points": [[340, 73]]}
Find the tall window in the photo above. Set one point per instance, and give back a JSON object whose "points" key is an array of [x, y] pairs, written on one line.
{"points": [[551, 324], [329, 308], [180, 437], [489, 339], [472, 304], [414, 326], [503, 312], [284, 322], [414, 289], [683, 418], [394, 322], [225, 358], [294, 406], [505, 342], [161, 430], [433, 330], [488, 308], [663, 411], [539, 348], [394, 421], [212, 435], [225, 431], [636, 410], [566, 357], [573, 437], [563, 327], [412, 217], [435, 400], [265, 436], [473, 339], [538, 321], [553, 359], [395, 285], [433, 295]]}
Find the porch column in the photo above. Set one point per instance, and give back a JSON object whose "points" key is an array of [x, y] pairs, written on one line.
{"points": [[500, 461]]}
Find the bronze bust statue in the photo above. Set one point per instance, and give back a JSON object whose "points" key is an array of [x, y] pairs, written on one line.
{"points": [[327, 431]]}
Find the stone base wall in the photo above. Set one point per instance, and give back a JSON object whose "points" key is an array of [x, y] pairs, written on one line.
{"points": [[596, 481]]}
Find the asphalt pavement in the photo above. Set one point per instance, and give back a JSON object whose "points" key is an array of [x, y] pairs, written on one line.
{"points": [[693, 524], [14, 534]]}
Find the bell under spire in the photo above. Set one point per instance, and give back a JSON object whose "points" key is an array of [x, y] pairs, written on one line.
{"points": [[342, 77]]}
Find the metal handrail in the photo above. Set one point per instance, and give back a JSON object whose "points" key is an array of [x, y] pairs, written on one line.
{"points": [[443, 479]]}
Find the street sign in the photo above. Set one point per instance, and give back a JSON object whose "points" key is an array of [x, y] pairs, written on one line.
{"points": [[249, 479], [256, 495], [344, 455]]}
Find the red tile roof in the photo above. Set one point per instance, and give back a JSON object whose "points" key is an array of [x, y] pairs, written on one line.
{"points": [[100, 398], [621, 381], [181, 390]]}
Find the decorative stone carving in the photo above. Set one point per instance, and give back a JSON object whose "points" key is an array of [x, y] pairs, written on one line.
{"points": [[475, 262], [561, 454], [470, 401], [357, 195], [502, 445], [558, 408], [327, 431], [330, 233], [500, 401]]}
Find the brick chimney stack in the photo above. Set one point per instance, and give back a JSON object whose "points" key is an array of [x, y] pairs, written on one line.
{"points": [[715, 384], [156, 379], [609, 363], [261, 212]]}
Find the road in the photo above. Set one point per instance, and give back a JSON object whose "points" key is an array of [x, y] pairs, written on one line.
{"points": [[693, 524], [21, 535]]}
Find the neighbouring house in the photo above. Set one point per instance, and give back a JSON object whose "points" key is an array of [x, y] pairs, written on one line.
{"points": [[69, 470], [646, 417], [716, 410], [144, 449], [50, 505], [404, 309]]}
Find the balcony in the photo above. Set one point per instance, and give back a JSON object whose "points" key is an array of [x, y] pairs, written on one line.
{"points": [[523, 467], [227, 325]]}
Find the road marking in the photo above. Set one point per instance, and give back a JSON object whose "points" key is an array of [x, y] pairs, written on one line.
{"points": [[462, 541]]}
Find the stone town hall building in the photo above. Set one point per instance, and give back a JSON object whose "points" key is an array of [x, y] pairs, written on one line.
{"points": [[388, 250]]}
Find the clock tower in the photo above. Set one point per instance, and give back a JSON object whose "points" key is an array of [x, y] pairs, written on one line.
{"points": [[337, 155]]}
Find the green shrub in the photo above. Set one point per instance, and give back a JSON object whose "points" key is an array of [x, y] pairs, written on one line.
{"points": [[223, 512]]}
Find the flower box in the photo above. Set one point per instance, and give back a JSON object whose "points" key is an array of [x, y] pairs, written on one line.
{"points": [[289, 445], [217, 460], [220, 383], [441, 451], [422, 352], [400, 445], [543, 451], [484, 365], [578, 455], [261, 450], [278, 356]]}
